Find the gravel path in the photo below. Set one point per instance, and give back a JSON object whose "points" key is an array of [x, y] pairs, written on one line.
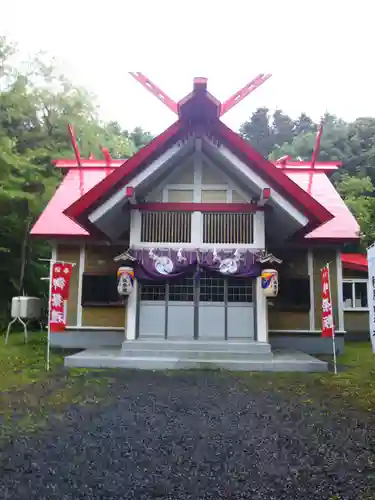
{"points": [[191, 436]]}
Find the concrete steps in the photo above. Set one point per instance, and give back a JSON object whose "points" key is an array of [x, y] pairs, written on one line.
{"points": [[186, 355], [197, 350]]}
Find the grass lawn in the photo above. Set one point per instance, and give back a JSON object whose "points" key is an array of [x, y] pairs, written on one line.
{"points": [[353, 387], [28, 393]]}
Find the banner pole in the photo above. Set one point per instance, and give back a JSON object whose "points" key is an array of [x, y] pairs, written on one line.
{"points": [[51, 264], [333, 323], [371, 293], [49, 317]]}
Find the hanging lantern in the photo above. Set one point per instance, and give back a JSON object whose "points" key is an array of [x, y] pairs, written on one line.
{"points": [[125, 280], [270, 282]]}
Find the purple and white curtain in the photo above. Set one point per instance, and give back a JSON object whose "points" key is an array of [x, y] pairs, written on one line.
{"points": [[168, 264]]}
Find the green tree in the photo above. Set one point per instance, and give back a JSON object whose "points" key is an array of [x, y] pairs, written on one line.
{"points": [[357, 192], [361, 137], [36, 105], [334, 143], [140, 137], [258, 132], [282, 129], [304, 125]]}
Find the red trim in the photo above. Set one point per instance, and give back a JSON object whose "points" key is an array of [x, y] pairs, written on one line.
{"points": [[295, 163], [282, 161], [74, 144], [304, 170], [276, 177], [155, 90], [355, 267], [316, 146], [109, 183], [89, 163], [107, 157], [244, 92], [199, 207], [292, 166], [354, 261]]}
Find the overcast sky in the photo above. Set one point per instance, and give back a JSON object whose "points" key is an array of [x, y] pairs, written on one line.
{"points": [[321, 53]]}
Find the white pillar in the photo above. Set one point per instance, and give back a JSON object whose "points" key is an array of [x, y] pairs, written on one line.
{"points": [[262, 313], [81, 270], [131, 314], [131, 308], [259, 230], [340, 300], [310, 270]]}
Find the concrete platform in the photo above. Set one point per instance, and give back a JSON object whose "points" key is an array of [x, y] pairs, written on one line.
{"points": [[169, 355]]}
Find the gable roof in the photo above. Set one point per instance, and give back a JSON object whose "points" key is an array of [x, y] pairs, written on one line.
{"points": [[275, 177], [354, 261], [343, 225], [119, 176], [199, 116], [53, 223]]}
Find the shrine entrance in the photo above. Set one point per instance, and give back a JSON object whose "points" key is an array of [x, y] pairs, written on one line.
{"points": [[204, 307]]}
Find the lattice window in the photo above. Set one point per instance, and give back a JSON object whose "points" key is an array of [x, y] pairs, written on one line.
{"points": [[240, 290], [152, 291], [166, 227], [182, 291], [228, 228], [211, 288]]}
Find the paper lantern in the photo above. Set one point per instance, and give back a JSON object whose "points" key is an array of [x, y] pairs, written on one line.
{"points": [[125, 280], [270, 282]]}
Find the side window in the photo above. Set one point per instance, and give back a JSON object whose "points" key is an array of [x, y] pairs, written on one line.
{"points": [[355, 294], [100, 290]]}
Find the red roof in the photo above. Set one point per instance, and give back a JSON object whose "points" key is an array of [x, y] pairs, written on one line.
{"points": [[355, 261], [318, 200], [53, 222], [343, 225]]}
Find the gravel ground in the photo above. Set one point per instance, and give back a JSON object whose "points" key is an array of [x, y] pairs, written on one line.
{"points": [[192, 436]]}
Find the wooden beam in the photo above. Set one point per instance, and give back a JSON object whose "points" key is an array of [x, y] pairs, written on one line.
{"points": [[198, 207]]}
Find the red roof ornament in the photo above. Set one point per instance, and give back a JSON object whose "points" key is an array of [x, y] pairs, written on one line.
{"points": [[200, 83], [74, 144]]}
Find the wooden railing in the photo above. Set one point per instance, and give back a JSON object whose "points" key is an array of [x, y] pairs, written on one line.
{"points": [[228, 228], [166, 227], [176, 227]]}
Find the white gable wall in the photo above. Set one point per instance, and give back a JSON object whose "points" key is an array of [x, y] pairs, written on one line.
{"points": [[198, 181], [201, 172]]}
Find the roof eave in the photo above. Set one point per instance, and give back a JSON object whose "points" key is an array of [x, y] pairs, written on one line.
{"points": [[78, 210], [317, 214]]}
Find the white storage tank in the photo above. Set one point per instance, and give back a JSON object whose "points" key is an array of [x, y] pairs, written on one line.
{"points": [[26, 307]]}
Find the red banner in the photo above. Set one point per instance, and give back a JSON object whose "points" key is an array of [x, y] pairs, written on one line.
{"points": [[59, 294], [327, 313]]}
